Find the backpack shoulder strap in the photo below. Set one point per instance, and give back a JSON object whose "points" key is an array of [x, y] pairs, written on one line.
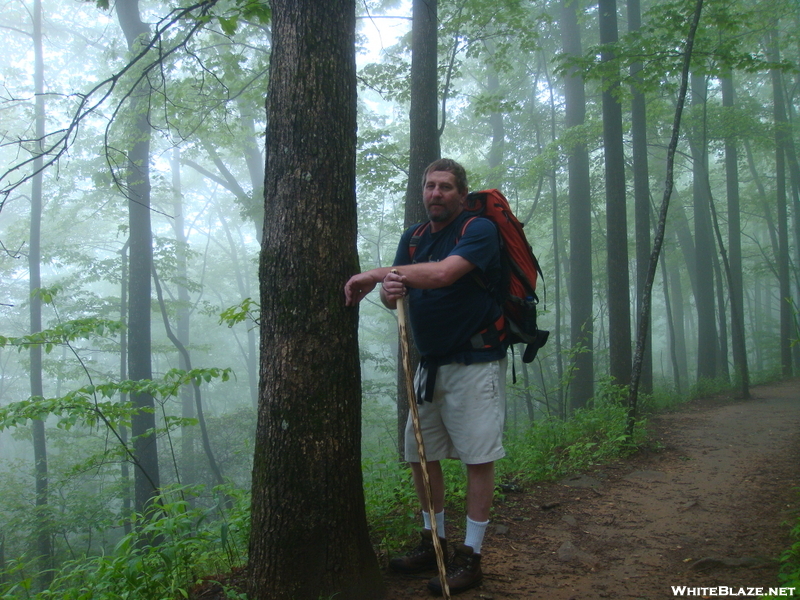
{"points": [[464, 228], [416, 237]]}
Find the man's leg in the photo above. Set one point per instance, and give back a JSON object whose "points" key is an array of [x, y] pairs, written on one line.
{"points": [[423, 557], [480, 491], [480, 494], [437, 486], [464, 569]]}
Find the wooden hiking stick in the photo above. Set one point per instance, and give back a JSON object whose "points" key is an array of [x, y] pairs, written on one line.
{"points": [[423, 463]]}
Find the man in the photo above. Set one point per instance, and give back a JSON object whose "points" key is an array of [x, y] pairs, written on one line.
{"points": [[449, 272]]}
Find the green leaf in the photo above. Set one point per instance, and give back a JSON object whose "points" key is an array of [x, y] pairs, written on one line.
{"points": [[229, 25]]}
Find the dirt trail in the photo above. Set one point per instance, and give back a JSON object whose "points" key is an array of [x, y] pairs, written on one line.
{"points": [[709, 508]]}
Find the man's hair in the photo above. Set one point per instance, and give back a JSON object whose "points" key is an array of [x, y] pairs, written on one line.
{"points": [[450, 166]]}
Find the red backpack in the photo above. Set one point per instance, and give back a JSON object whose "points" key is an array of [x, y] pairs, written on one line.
{"points": [[517, 293]]}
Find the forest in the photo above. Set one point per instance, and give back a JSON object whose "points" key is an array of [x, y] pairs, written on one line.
{"points": [[185, 188]]}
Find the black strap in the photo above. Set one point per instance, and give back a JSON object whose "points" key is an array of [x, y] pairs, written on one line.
{"points": [[426, 394]]}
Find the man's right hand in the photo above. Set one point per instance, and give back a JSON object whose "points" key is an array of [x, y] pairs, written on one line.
{"points": [[393, 288]]}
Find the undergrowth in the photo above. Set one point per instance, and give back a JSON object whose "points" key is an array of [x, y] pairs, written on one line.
{"points": [[169, 550], [552, 447], [789, 576]]}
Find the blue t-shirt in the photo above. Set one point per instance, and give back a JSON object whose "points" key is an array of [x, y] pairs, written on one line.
{"points": [[444, 319]]}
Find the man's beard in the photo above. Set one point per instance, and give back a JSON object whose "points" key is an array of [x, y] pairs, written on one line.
{"points": [[441, 216]]}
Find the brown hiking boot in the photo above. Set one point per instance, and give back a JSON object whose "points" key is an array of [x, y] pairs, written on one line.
{"points": [[463, 572], [421, 558]]}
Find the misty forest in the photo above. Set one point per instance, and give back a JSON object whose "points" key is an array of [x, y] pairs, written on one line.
{"points": [[186, 187]]}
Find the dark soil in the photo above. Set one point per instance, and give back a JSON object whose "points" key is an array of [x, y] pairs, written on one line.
{"points": [[708, 505]]}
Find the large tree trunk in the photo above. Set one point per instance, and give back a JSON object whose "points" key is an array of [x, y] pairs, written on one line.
{"points": [[580, 220], [707, 342], [309, 537], [741, 372], [781, 133], [619, 302], [146, 474], [424, 149]]}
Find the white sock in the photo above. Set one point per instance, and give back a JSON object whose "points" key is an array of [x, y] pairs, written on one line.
{"points": [[426, 519], [475, 532]]}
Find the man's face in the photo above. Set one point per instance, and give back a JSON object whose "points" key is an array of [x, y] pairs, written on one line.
{"points": [[442, 200]]}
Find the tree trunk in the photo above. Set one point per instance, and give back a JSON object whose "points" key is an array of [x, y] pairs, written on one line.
{"points": [[309, 536], [781, 133], [679, 321], [619, 302], [641, 195], [495, 178], [146, 474], [188, 475], [557, 258], [707, 343], [44, 550], [658, 241], [580, 219], [741, 372], [125, 474], [672, 338], [424, 149]]}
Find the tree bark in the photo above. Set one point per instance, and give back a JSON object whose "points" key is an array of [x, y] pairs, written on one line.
{"points": [[188, 475], [619, 302], [781, 132], [309, 536], [741, 372], [580, 219], [707, 342], [662, 223], [146, 474], [44, 550], [641, 194], [424, 148]]}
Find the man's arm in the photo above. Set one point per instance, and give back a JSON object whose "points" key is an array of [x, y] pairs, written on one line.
{"points": [[424, 276]]}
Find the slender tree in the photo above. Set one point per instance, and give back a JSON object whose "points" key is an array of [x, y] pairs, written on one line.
{"points": [[309, 535], [182, 314], [633, 393], [44, 549], [137, 188]]}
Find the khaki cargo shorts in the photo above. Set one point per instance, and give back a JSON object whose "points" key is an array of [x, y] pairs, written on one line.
{"points": [[466, 418]]}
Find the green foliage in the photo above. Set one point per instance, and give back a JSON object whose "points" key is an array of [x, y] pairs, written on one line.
{"points": [[708, 387], [553, 447], [63, 333], [247, 309], [391, 502], [789, 576], [170, 549], [92, 404], [790, 561]]}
